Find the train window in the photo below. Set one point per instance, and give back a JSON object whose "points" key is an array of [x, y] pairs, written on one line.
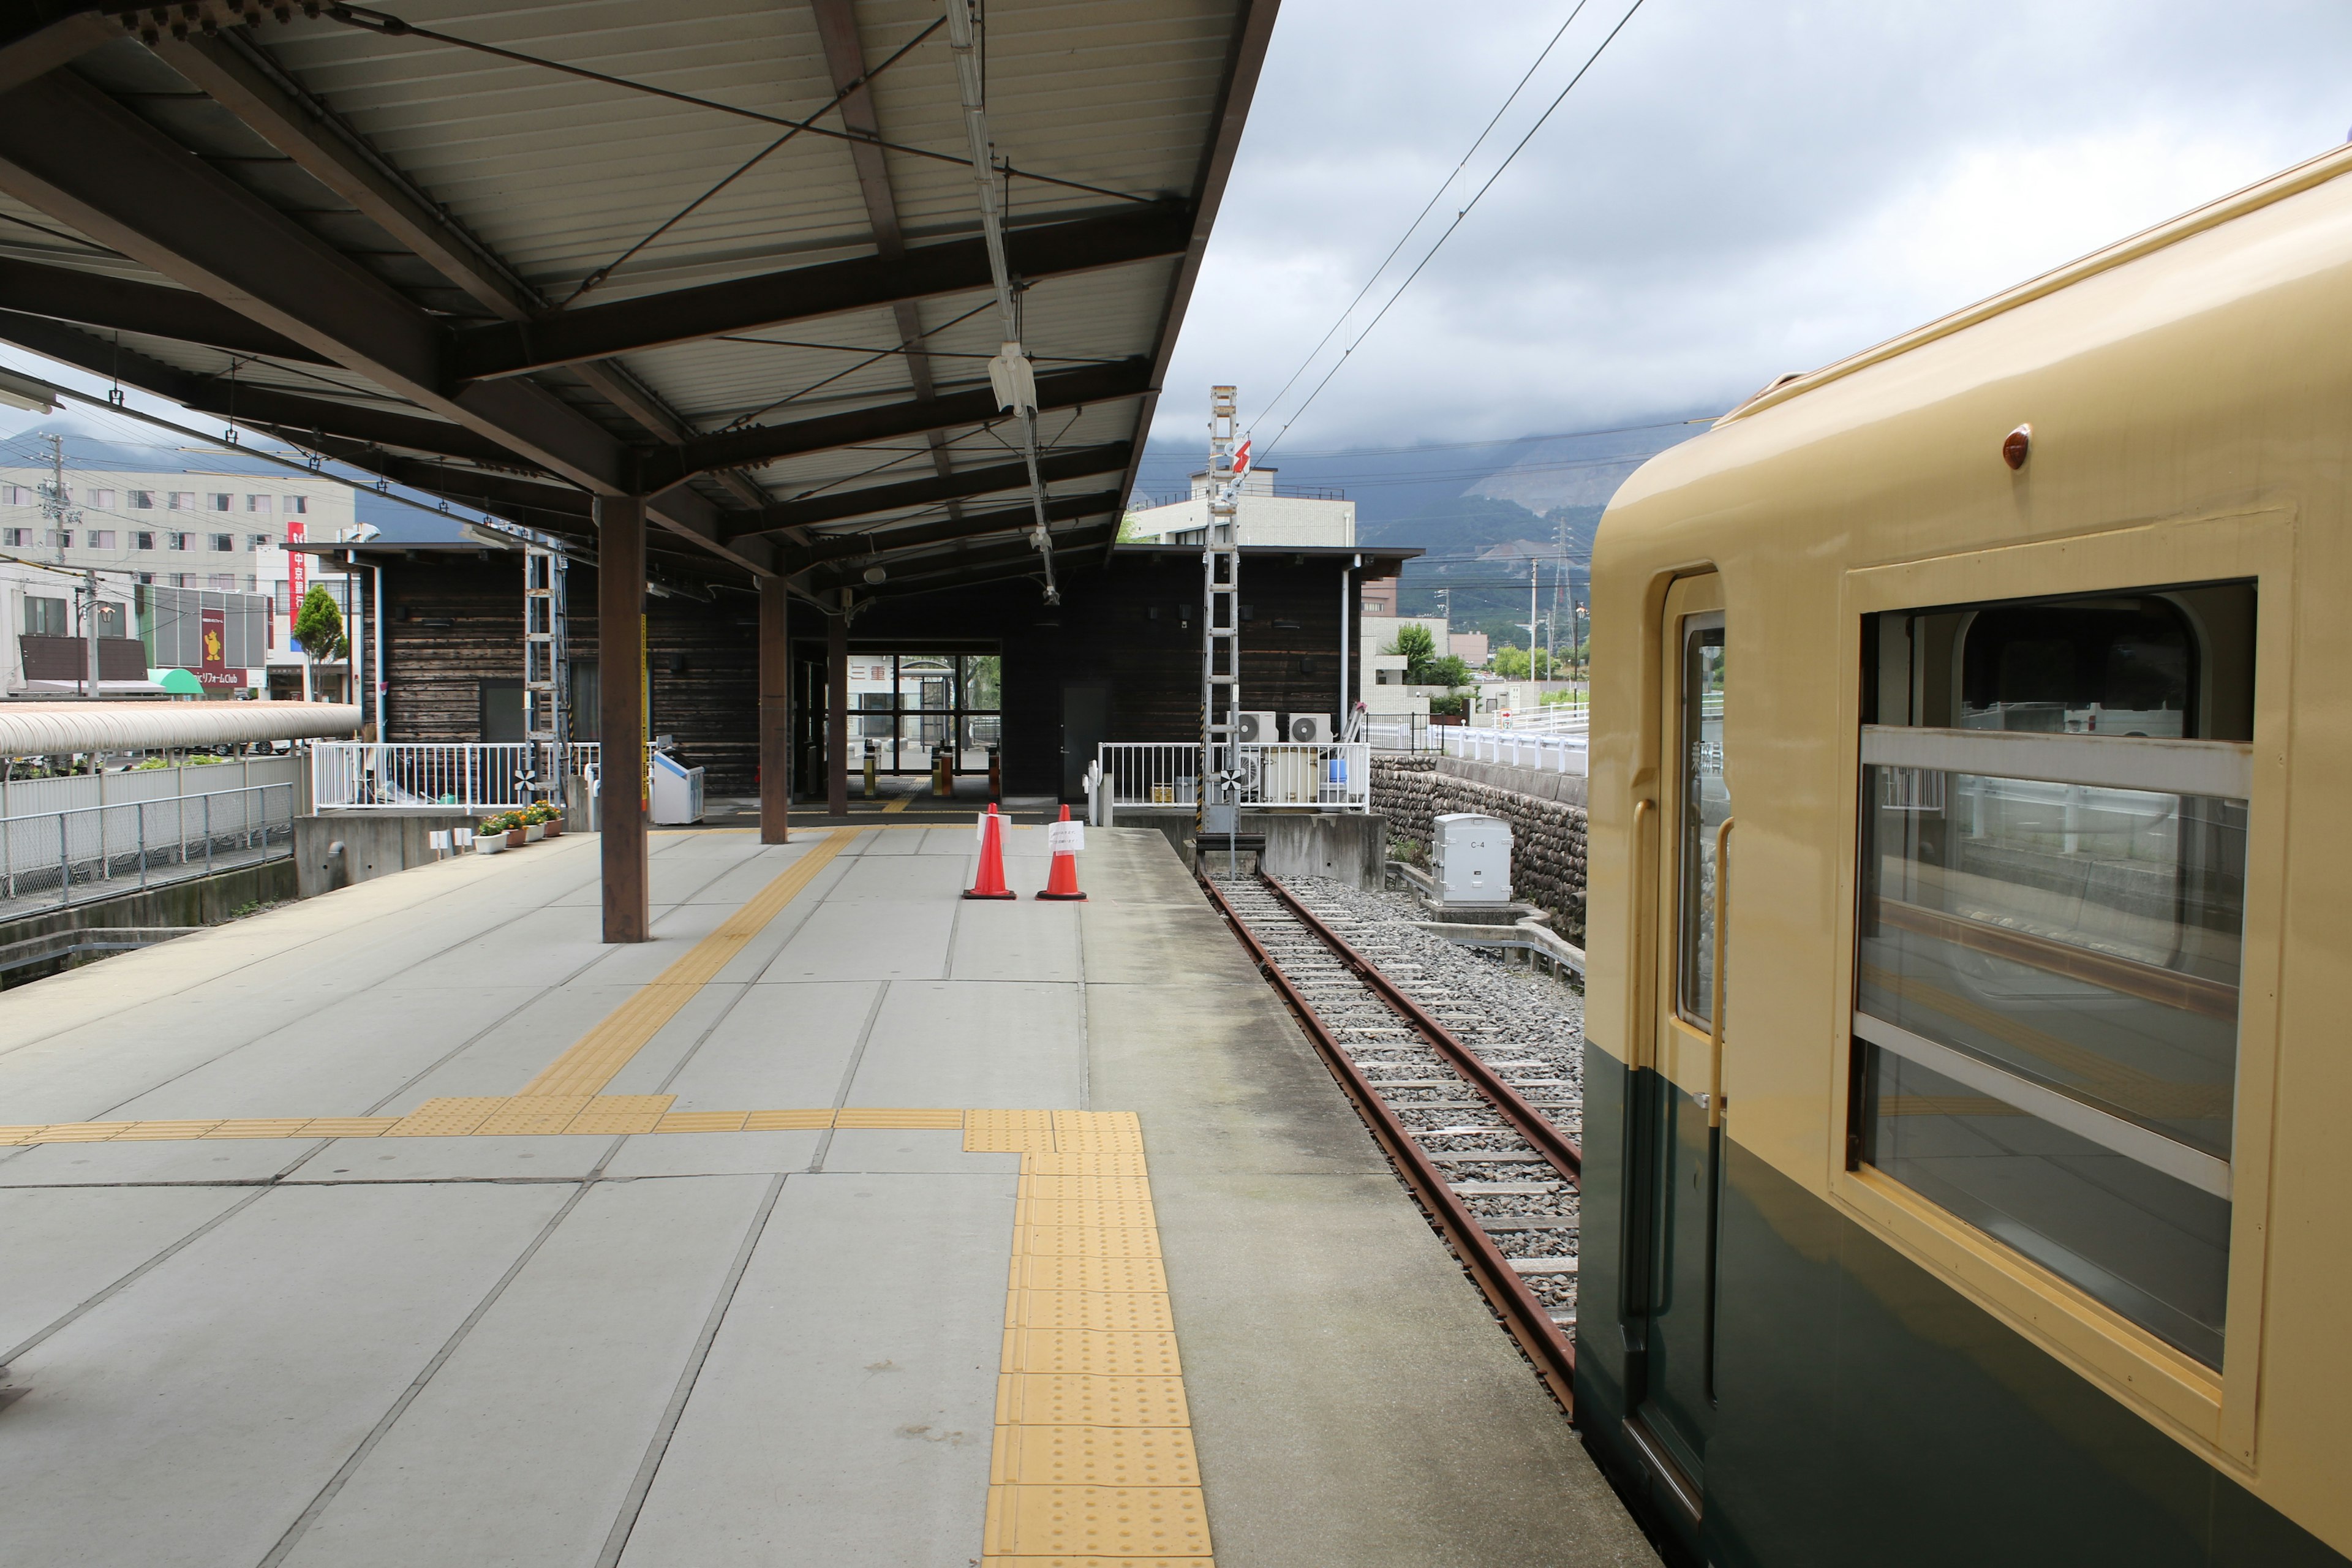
{"points": [[2053, 877], [1705, 802]]}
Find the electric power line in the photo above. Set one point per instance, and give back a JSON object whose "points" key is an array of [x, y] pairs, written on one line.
{"points": [[1478, 195]]}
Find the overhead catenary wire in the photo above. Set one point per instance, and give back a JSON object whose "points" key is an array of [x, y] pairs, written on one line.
{"points": [[1466, 209], [1545, 53]]}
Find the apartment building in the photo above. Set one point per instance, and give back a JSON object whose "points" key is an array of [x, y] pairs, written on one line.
{"points": [[215, 526]]}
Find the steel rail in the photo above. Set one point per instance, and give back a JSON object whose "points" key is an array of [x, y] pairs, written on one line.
{"points": [[1528, 1320], [1531, 1125]]}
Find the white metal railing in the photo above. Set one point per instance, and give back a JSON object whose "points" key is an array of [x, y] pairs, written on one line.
{"points": [[118, 787], [1336, 777], [1564, 753], [357, 775], [92, 851]]}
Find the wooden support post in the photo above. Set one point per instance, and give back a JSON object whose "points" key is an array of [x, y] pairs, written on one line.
{"points": [[836, 710], [775, 711], [621, 804]]}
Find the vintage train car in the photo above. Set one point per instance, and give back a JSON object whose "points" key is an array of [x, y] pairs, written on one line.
{"points": [[1966, 1171]]}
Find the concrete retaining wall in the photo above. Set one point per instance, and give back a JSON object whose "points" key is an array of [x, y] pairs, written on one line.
{"points": [[194, 901], [376, 844], [1547, 829], [1345, 846]]}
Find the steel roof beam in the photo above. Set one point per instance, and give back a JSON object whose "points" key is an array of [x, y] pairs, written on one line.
{"points": [[78, 155], [758, 444], [962, 569], [242, 79], [246, 403], [835, 506], [746, 304], [95, 299], [44, 37], [881, 542]]}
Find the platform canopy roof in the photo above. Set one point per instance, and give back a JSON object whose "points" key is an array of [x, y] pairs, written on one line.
{"points": [[726, 254]]}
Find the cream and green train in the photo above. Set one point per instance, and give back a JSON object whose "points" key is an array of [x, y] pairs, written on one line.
{"points": [[1968, 1116]]}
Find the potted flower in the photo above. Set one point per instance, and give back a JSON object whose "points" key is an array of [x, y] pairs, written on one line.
{"points": [[551, 818], [518, 831], [490, 836]]}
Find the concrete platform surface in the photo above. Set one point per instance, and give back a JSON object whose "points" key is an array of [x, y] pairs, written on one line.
{"points": [[848, 1221]]}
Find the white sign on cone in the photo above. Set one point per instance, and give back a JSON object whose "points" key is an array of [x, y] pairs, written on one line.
{"points": [[1066, 837]]}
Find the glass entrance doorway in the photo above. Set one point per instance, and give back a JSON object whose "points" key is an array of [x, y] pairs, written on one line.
{"points": [[905, 708]]}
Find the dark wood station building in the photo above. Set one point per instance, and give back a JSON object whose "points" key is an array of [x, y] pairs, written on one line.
{"points": [[1118, 659], [830, 324]]}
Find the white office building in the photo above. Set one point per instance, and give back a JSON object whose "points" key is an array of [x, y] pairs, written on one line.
{"points": [[1264, 513]]}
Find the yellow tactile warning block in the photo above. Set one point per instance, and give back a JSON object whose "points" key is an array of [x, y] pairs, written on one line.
{"points": [[994, 1131], [1086, 1273], [1082, 1399], [267, 1127], [1107, 1309], [605, 1049], [703, 1121], [342, 1127], [1096, 1456], [1093, 1464], [1101, 1352], [1120, 1522], [901, 1118], [143, 1131], [533, 1113], [1094, 1212], [1085, 1189], [622, 1113], [1098, 1132], [453, 1118], [1086, 1241], [1103, 1166], [787, 1120]]}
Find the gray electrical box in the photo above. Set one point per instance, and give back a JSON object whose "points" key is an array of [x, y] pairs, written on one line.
{"points": [[1470, 856]]}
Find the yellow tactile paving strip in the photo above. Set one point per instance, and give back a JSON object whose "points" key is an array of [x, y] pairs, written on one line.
{"points": [[605, 1049], [1093, 1464]]}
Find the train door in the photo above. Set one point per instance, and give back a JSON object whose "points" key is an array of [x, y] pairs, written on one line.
{"points": [[1679, 1173]]}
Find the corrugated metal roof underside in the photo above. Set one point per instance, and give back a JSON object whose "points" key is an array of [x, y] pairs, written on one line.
{"points": [[560, 177]]}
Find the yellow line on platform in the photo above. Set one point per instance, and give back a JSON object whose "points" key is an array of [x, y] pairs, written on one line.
{"points": [[1093, 1460], [605, 1049], [901, 804]]}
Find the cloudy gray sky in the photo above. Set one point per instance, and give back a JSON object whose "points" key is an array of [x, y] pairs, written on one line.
{"points": [[1735, 190]]}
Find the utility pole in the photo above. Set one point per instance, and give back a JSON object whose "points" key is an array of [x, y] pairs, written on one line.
{"points": [[89, 631], [1534, 620], [1220, 623]]}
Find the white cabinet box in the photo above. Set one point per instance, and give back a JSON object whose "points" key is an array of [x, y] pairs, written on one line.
{"points": [[1470, 855]]}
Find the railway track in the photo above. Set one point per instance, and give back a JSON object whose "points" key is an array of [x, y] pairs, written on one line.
{"points": [[1481, 1127]]}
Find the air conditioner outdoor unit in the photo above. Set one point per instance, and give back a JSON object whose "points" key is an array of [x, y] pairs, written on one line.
{"points": [[1257, 728], [1308, 729]]}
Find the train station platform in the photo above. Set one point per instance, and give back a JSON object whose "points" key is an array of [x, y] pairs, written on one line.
{"points": [[848, 1221]]}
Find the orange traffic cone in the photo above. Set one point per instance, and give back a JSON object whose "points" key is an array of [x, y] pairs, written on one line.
{"points": [[1065, 838], [991, 884]]}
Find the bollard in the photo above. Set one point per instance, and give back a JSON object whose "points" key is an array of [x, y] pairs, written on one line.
{"points": [[873, 786], [942, 772]]}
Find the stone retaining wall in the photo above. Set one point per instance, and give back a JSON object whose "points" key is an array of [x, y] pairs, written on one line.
{"points": [[1547, 836]]}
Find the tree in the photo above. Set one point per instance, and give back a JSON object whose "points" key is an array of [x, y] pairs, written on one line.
{"points": [[1510, 663], [1449, 671], [1420, 651], [319, 625]]}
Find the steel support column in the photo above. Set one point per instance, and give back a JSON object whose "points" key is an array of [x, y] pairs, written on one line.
{"points": [[775, 711], [836, 710], [621, 789]]}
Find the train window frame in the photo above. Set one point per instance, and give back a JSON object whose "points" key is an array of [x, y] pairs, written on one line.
{"points": [[2210, 1410]]}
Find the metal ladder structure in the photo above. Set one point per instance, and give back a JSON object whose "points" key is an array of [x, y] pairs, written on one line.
{"points": [[1221, 624], [546, 667]]}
